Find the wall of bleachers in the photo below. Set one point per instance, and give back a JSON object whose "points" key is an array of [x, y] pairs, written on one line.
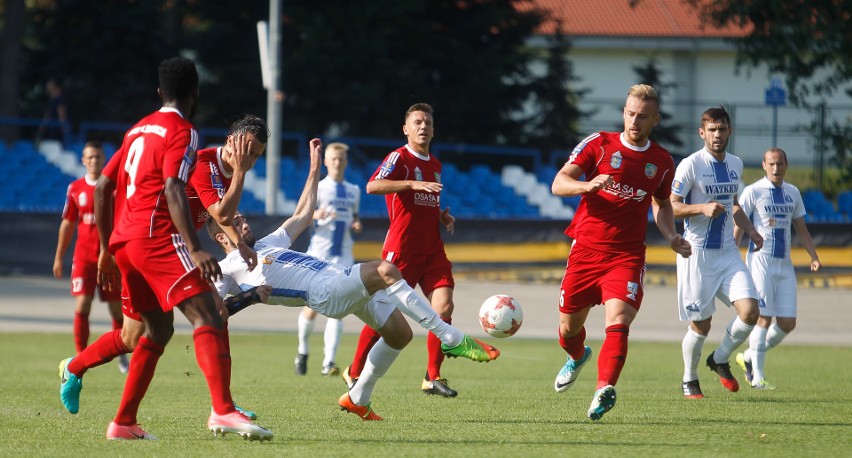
{"points": [[483, 182]]}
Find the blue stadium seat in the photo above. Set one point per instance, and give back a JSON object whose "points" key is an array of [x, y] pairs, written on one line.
{"points": [[844, 203]]}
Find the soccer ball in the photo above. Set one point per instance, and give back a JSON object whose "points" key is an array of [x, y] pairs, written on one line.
{"points": [[501, 316]]}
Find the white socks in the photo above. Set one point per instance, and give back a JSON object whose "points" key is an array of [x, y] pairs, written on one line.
{"points": [[692, 344], [331, 339], [735, 335], [379, 360], [774, 336], [757, 350], [766, 338], [305, 327], [416, 308]]}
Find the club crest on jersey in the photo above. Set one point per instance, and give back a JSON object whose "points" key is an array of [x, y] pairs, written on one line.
{"points": [[82, 199], [190, 155], [418, 175], [437, 177], [387, 167], [216, 182], [650, 170], [615, 162], [268, 260]]}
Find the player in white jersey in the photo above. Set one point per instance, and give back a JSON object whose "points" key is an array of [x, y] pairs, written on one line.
{"points": [[374, 291], [335, 218], [704, 193], [774, 207]]}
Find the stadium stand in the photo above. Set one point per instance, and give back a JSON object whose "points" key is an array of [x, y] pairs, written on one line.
{"points": [[36, 180], [820, 209]]}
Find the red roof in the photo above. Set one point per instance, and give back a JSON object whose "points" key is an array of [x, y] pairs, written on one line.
{"points": [[650, 18]]}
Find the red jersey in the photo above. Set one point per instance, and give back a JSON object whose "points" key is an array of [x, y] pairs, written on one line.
{"points": [[160, 146], [415, 216], [80, 209], [616, 218], [207, 185]]}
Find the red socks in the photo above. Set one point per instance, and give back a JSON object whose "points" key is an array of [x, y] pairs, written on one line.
{"points": [[613, 355], [434, 353], [81, 331], [574, 346], [142, 366], [215, 363], [368, 338], [102, 351]]}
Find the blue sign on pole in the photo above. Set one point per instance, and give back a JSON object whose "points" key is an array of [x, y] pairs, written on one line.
{"points": [[775, 93]]}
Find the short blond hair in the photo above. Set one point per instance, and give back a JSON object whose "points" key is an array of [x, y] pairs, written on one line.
{"points": [[643, 92], [337, 146]]}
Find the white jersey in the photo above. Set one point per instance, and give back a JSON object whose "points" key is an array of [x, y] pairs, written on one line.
{"points": [[289, 272], [298, 279], [772, 211], [332, 238], [700, 179]]}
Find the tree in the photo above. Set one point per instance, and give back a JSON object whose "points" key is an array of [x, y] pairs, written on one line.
{"points": [[13, 14], [104, 53], [808, 41], [354, 67], [554, 124], [666, 133]]}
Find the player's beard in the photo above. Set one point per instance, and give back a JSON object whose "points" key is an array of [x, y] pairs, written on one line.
{"points": [[249, 239]]}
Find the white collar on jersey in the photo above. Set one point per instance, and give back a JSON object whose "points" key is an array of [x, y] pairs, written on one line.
{"points": [[416, 154], [221, 165], [713, 156], [634, 148], [175, 110]]}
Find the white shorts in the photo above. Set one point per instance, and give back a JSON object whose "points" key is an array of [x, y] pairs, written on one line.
{"points": [[709, 274], [337, 292], [775, 281]]}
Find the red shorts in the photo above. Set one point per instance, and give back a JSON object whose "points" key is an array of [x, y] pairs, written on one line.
{"points": [[593, 277], [158, 273], [127, 308], [430, 271], [84, 282]]}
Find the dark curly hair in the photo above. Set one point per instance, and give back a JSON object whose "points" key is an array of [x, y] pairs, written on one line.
{"points": [[250, 124], [178, 78]]}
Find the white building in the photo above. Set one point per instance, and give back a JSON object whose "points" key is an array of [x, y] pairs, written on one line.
{"points": [[609, 38]]}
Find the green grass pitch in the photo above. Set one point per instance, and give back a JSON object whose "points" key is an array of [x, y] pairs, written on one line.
{"points": [[505, 408]]}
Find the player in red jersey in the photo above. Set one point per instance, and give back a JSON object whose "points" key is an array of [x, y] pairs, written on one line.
{"points": [[79, 211], [159, 254], [410, 180], [625, 174], [218, 177]]}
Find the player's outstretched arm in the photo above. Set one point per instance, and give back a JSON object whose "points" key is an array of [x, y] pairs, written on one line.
{"points": [[303, 216], [255, 295]]}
